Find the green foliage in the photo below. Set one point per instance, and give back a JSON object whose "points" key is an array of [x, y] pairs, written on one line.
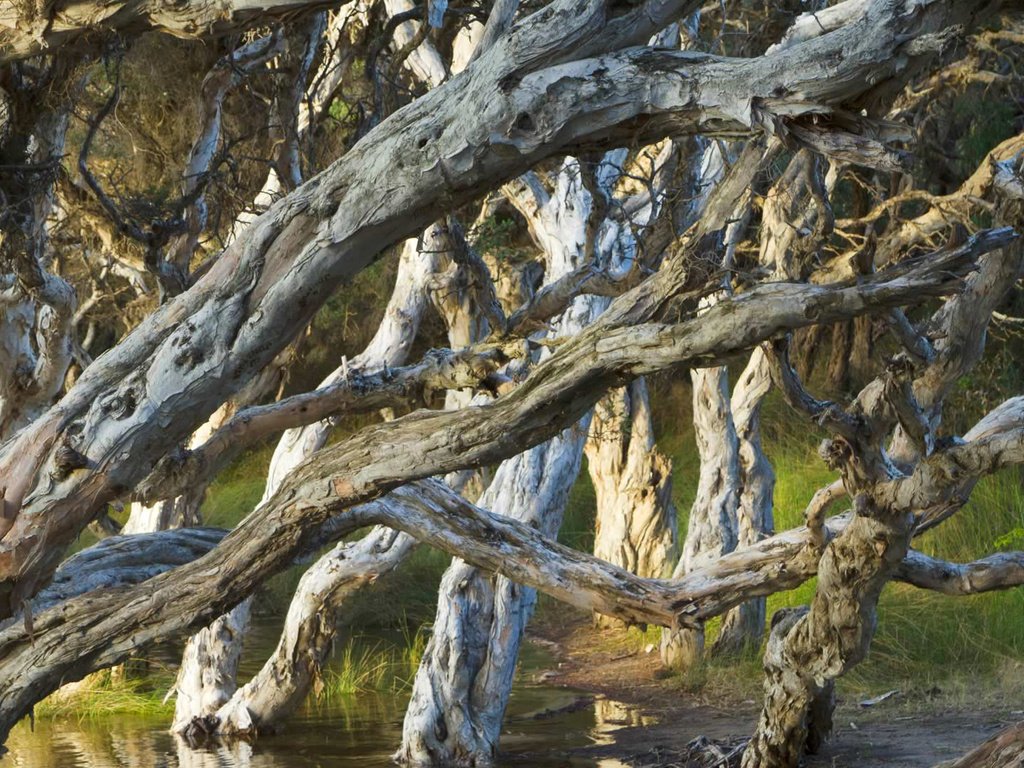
{"points": [[988, 120], [495, 235], [339, 110], [921, 636]]}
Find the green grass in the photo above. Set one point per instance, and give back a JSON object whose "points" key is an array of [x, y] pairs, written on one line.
{"points": [[375, 666], [106, 693], [923, 639]]}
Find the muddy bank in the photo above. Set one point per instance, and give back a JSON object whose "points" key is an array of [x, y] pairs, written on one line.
{"points": [[662, 720]]}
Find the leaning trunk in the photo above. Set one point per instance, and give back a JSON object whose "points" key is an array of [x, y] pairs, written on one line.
{"points": [[744, 626], [279, 688], [465, 679]]}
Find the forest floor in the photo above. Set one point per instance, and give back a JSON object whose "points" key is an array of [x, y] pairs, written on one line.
{"points": [[665, 713]]}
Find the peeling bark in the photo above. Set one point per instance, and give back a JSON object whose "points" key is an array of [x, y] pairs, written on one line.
{"points": [[208, 701], [463, 683], [836, 632], [268, 283], [635, 526], [754, 518]]}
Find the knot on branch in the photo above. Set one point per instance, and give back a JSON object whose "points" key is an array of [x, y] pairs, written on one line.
{"points": [[66, 460], [169, 474], [900, 368], [836, 452]]}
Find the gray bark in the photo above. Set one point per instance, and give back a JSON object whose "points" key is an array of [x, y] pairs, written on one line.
{"points": [[889, 505], [208, 700], [268, 283], [635, 523], [711, 530], [462, 686], [754, 517]]}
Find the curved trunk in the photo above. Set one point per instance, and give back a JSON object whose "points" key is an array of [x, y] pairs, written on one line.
{"points": [[464, 681], [285, 680], [210, 657], [38, 306], [635, 526], [889, 506]]}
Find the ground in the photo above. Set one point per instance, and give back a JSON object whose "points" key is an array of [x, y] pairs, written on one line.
{"points": [[668, 712]]}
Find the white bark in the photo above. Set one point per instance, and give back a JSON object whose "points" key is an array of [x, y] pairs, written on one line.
{"points": [[296, 665], [423, 61], [208, 674], [183, 510], [463, 683], [95, 631], [38, 306], [711, 530], [754, 517], [207, 699], [197, 350]]}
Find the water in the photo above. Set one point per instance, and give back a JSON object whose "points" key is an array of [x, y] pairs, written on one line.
{"points": [[544, 724]]}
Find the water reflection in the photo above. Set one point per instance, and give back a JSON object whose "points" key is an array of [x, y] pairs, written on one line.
{"points": [[544, 724]]}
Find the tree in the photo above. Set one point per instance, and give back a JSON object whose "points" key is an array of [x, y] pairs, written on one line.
{"points": [[575, 78]]}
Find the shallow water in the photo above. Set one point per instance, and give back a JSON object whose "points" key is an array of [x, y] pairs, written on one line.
{"points": [[543, 725]]}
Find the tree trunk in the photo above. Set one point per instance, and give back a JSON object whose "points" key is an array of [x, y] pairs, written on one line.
{"points": [[809, 653], [278, 688], [80, 634], [839, 356], [37, 305], [711, 529], [745, 625], [462, 686], [635, 526], [806, 345], [208, 675], [310, 626], [862, 346], [1004, 750]]}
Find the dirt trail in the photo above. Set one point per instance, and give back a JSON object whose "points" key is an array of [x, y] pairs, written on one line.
{"points": [[888, 735]]}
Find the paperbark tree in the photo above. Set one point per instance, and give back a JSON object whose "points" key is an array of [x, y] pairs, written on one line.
{"points": [[635, 525], [711, 529], [575, 76], [808, 652], [208, 701], [307, 639], [131, 617], [462, 687], [39, 304], [301, 248]]}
